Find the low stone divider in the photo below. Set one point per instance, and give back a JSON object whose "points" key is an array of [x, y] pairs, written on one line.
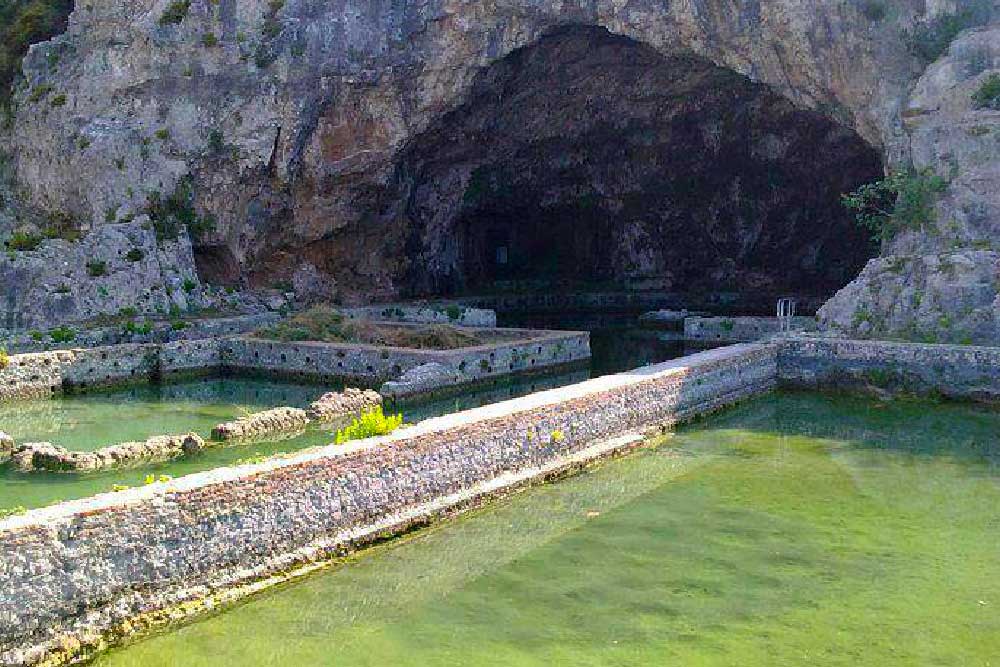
{"points": [[331, 406], [75, 574], [262, 423], [529, 351], [36, 456]]}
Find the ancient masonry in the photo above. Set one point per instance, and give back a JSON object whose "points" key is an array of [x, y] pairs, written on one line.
{"points": [[219, 529], [43, 374], [330, 407], [97, 569], [33, 456]]}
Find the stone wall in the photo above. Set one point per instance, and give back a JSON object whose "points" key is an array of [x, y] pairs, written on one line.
{"points": [[162, 332], [952, 371], [39, 375], [740, 329], [143, 552], [443, 313], [33, 375], [373, 365]]}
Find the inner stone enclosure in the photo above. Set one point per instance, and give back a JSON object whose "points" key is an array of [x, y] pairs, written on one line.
{"points": [[590, 159]]}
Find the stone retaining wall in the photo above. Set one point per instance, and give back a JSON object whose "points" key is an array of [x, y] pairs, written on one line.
{"points": [[740, 329], [162, 332], [33, 375], [367, 364], [443, 313], [953, 371], [39, 375], [139, 552]]}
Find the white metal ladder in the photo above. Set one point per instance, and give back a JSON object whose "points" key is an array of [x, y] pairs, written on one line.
{"points": [[786, 313]]}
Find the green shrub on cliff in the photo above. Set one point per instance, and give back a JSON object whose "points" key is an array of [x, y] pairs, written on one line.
{"points": [[97, 268], [988, 94], [23, 241], [170, 214], [903, 200], [23, 23], [930, 39], [62, 334], [175, 12], [4, 358], [874, 10]]}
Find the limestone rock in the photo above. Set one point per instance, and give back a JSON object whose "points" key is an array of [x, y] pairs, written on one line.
{"points": [[351, 402], [63, 282], [35, 456], [941, 284], [420, 379], [309, 141], [311, 286], [6, 447], [947, 297], [261, 423]]}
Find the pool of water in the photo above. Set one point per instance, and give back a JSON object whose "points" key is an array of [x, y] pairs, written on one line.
{"points": [[796, 529], [617, 342]]}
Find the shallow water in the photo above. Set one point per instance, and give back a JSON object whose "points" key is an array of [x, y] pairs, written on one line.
{"points": [[90, 421], [797, 529]]}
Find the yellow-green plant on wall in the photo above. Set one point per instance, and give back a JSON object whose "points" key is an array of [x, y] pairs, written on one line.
{"points": [[371, 423]]}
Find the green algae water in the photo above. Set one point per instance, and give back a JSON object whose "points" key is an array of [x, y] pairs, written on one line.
{"points": [[793, 530], [93, 420]]}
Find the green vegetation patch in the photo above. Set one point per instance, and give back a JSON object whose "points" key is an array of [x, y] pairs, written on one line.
{"points": [[372, 423], [175, 13], [97, 268], [62, 334], [176, 211], [988, 94], [903, 200], [24, 241], [930, 39], [23, 23]]}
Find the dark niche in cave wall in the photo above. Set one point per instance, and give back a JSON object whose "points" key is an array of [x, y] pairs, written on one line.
{"points": [[589, 159]]}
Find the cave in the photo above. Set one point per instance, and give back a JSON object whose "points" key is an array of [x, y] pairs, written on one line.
{"points": [[589, 160]]}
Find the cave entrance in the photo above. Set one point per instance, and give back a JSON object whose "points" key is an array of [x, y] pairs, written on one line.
{"points": [[590, 160]]}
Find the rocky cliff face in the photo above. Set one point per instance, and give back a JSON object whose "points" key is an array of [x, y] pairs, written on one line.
{"points": [[941, 283], [309, 129]]}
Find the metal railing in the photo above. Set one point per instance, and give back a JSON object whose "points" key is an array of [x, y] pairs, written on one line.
{"points": [[786, 313]]}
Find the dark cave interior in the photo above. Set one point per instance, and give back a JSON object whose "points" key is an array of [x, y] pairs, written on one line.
{"points": [[589, 159]]}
